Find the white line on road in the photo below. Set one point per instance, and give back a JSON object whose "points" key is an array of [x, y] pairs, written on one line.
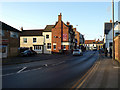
{"points": [[116, 67], [21, 69]]}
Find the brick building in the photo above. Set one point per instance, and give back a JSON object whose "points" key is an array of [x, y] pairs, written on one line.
{"points": [[10, 40], [62, 36], [117, 47]]}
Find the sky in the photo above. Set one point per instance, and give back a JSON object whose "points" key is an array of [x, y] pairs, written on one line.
{"points": [[87, 17]]}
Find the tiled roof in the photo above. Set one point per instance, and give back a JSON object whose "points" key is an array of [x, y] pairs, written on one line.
{"points": [[8, 27], [48, 27], [89, 41], [36, 32]]}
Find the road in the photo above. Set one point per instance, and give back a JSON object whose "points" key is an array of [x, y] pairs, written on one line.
{"points": [[56, 73]]}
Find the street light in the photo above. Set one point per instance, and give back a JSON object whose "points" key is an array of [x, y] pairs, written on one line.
{"points": [[113, 47]]}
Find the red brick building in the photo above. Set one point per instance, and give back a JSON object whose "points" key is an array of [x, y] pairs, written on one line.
{"points": [[62, 36], [117, 48]]}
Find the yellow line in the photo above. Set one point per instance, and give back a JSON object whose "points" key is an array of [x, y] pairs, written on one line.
{"points": [[86, 77], [82, 78]]}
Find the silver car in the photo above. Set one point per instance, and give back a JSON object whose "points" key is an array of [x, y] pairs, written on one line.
{"points": [[77, 52]]}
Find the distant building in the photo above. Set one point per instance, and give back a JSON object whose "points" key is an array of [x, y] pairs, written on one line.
{"points": [[10, 40], [90, 44]]}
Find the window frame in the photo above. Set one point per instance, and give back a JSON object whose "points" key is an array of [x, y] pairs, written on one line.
{"points": [[24, 41], [35, 40], [47, 37], [48, 45], [54, 47]]}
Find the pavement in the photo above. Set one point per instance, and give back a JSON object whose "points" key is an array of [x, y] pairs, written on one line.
{"points": [[25, 59], [105, 73]]}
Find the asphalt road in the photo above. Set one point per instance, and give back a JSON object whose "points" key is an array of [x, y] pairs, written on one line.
{"points": [[56, 73]]}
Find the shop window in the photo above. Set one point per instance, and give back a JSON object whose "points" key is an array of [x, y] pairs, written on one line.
{"points": [[64, 47], [37, 47]]}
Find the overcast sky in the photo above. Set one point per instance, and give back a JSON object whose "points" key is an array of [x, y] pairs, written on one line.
{"points": [[87, 17]]}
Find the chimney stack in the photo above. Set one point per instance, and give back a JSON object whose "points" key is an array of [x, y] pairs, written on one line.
{"points": [[68, 23], [60, 17], [21, 28], [75, 29], [110, 21]]}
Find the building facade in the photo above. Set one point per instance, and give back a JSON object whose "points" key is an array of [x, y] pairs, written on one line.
{"points": [[10, 40], [108, 33], [61, 36]]}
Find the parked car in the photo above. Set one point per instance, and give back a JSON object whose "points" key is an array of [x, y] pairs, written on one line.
{"points": [[94, 49], [28, 53], [77, 52]]}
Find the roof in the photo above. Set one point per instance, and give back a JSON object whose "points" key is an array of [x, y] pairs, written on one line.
{"points": [[107, 28], [36, 32], [8, 27], [48, 28], [89, 41]]}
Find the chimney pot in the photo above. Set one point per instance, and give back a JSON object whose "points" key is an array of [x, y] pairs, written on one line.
{"points": [[60, 17], [68, 23], [110, 21]]}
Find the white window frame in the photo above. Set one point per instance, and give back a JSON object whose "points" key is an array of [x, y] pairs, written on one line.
{"points": [[37, 47], [48, 45]]}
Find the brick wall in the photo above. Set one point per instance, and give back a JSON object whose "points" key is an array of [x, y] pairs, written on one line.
{"points": [[117, 48]]}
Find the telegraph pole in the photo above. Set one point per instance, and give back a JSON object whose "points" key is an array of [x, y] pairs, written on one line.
{"points": [[113, 47]]}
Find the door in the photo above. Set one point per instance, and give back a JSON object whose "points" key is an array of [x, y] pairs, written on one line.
{"points": [[4, 51]]}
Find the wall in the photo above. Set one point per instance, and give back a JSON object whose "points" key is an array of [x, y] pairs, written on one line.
{"points": [[48, 51], [117, 48], [13, 43]]}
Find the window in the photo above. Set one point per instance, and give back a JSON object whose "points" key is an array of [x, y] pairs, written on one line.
{"points": [[25, 40], [117, 33], [34, 40], [54, 47], [48, 45], [47, 36], [2, 32], [37, 47], [64, 47], [14, 34]]}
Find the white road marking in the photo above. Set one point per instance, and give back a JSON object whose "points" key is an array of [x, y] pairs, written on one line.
{"points": [[21, 72], [21, 69], [7, 74], [116, 67]]}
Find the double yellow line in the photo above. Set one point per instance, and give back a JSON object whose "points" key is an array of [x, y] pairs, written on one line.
{"points": [[82, 80]]}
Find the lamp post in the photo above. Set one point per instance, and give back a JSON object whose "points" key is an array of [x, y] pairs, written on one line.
{"points": [[113, 47]]}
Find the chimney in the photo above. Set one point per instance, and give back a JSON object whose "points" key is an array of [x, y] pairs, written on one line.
{"points": [[21, 28], [75, 29], [60, 17], [68, 23], [110, 21]]}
